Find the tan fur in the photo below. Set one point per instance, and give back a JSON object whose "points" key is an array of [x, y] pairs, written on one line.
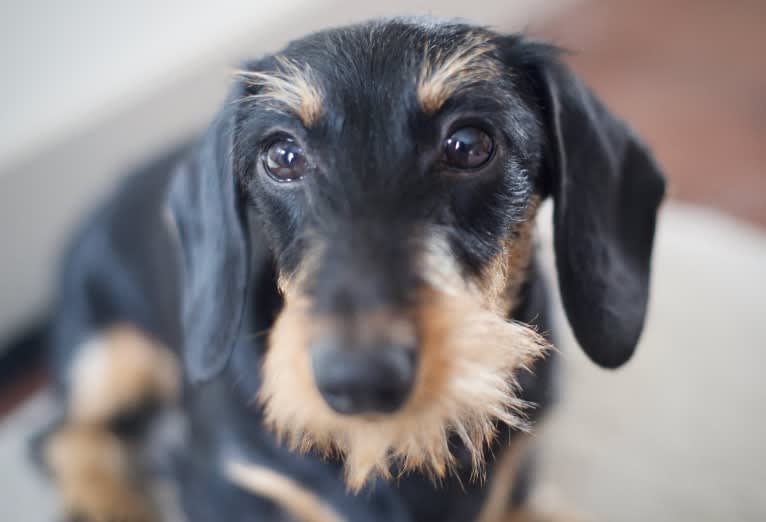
{"points": [[469, 355], [291, 86], [444, 74], [290, 284], [95, 477], [495, 508], [119, 370], [505, 275], [301, 503], [532, 515]]}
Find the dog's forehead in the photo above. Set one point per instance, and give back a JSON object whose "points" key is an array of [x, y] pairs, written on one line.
{"points": [[400, 65], [381, 46]]}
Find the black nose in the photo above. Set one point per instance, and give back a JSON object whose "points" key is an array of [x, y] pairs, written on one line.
{"points": [[355, 381]]}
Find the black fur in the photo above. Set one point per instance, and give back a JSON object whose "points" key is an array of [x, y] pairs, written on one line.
{"points": [[377, 181], [606, 188]]}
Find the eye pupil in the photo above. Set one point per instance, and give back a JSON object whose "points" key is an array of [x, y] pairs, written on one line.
{"points": [[284, 160], [468, 148]]}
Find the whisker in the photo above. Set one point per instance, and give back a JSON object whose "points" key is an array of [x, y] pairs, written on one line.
{"points": [[255, 335]]}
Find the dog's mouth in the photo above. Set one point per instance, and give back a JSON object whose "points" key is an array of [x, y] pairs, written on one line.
{"points": [[461, 383], [391, 391]]}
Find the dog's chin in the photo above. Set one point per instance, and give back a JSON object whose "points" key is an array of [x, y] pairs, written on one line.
{"points": [[465, 388]]}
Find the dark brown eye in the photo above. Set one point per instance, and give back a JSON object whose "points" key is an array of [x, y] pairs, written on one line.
{"points": [[468, 148], [284, 160]]}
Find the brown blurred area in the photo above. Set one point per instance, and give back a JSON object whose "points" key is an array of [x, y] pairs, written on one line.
{"points": [[690, 77]]}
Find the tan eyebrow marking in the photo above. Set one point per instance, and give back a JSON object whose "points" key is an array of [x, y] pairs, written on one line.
{"points": [[442, 75], [292, 86]]}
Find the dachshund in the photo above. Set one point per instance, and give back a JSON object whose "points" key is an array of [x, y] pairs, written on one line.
{"points": [[336, 285]]}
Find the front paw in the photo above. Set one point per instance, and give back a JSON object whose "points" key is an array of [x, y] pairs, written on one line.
{"points": [[94, 474]]}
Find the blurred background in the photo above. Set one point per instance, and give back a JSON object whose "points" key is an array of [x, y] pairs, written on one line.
{"points": [[90, 88]]}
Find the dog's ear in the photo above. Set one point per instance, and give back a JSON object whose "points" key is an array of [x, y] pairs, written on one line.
{"points": [[207, 212], [606, 189]]}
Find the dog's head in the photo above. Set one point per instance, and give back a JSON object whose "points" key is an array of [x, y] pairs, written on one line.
{"points": [[388, 174]]}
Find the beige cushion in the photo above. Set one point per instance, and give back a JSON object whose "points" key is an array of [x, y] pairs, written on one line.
{"points": [[678, 433]]}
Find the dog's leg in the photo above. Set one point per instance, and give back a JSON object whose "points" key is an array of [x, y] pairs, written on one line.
{"points": [[96, 476], [507, 472], [529, 515], [119, 374], [501, 506], [545, 506]]}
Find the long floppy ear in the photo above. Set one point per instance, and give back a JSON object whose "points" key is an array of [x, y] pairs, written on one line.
{"points": [[606, 189], [204, 204]]}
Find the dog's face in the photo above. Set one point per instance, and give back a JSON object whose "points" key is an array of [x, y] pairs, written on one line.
{"points": [[391, 172]]}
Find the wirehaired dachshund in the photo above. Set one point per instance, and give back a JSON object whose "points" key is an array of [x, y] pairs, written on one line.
{"points": [[336, 285]]}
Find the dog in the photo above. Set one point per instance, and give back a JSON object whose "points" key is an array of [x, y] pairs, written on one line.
{"points": [[337, 284]]}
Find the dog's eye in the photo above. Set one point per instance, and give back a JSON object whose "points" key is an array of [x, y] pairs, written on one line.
{"points": [[468, 148], [284, 160]]}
